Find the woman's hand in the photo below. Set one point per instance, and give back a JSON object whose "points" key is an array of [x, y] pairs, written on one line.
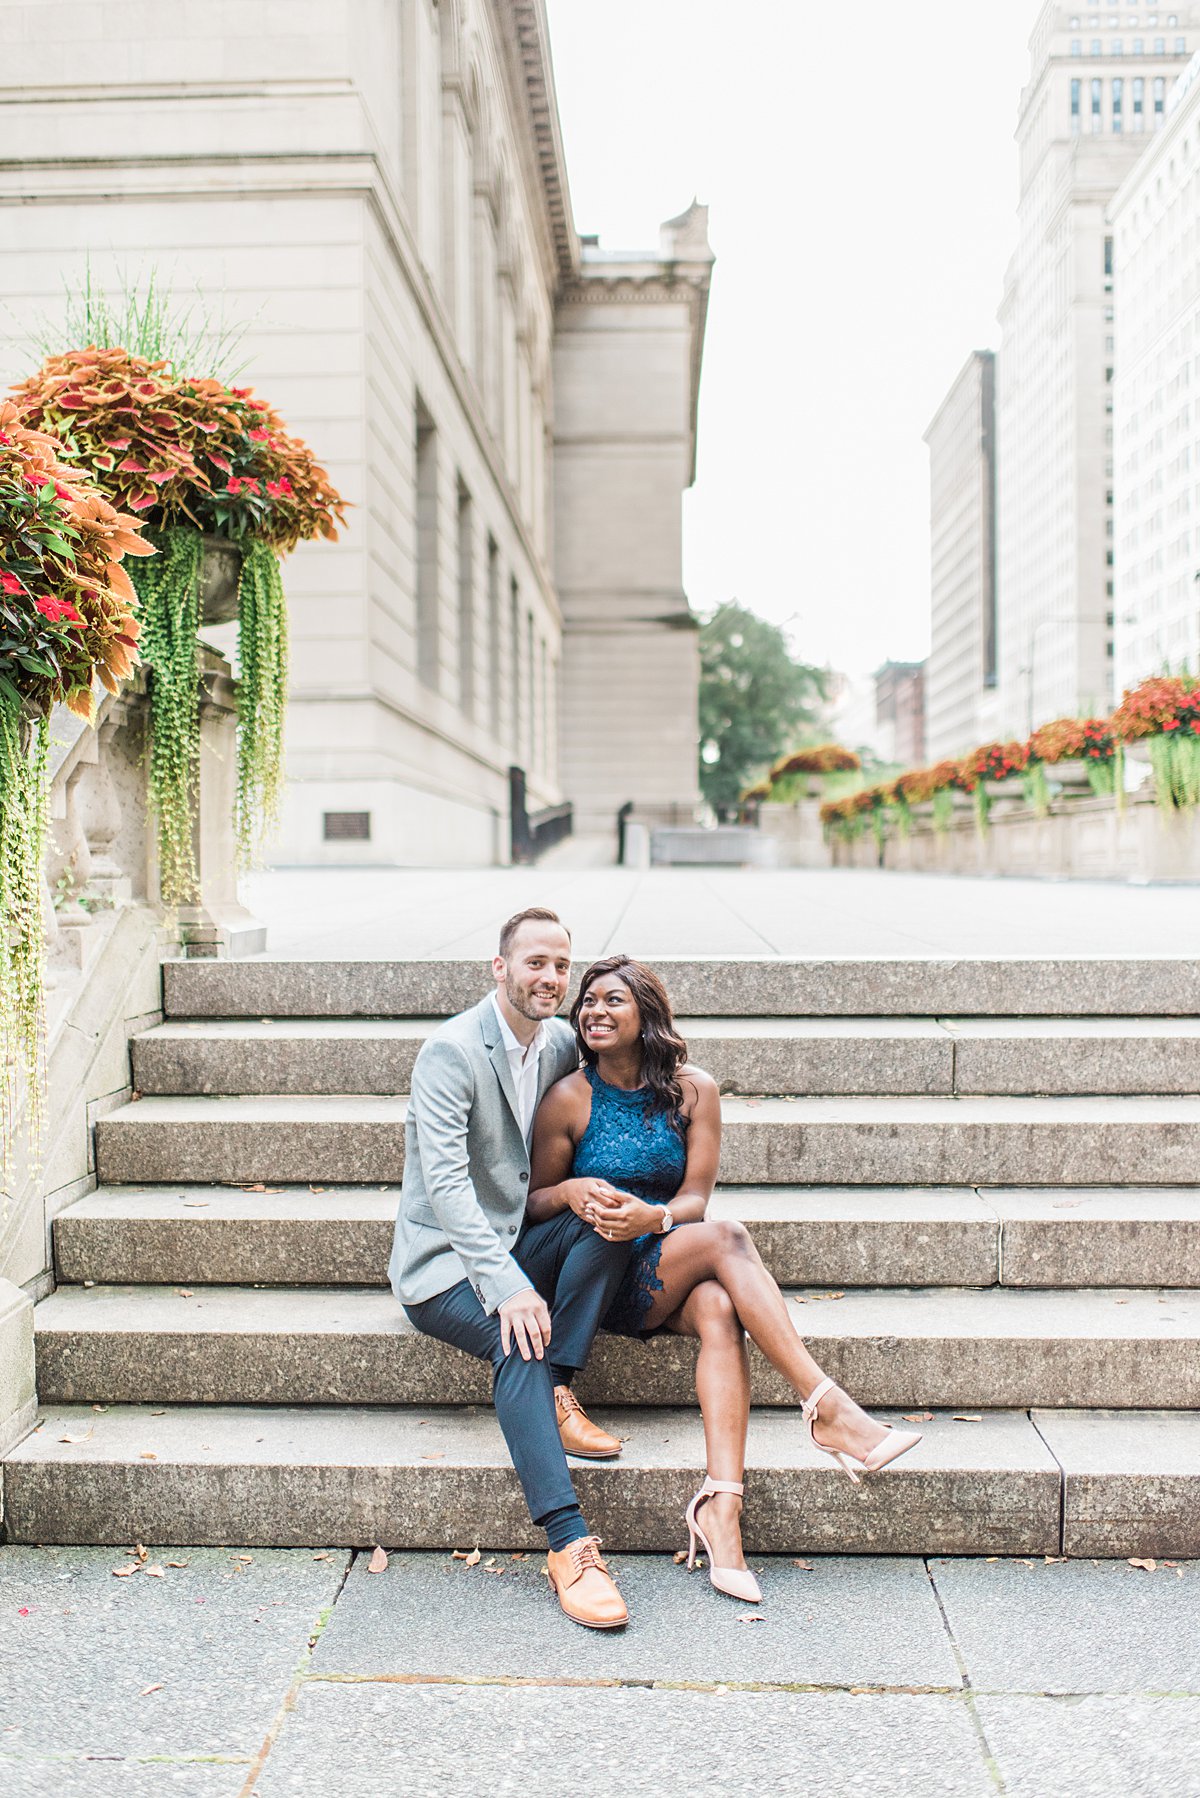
{"points": [[590, 1199], [628, 1217]]}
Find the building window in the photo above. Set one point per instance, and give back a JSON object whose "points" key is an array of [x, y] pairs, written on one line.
{"points": [[1116, 48], [1108, 258], [466, 601], [1097, 47], [1139, 103], [1180, 46], [1076, 46], [1075, 87], [1118, 96], [1160, 100], [1160, 46], [496, 682], [1139, 46], [1097, 88], [427, 548], [1075, 22]]}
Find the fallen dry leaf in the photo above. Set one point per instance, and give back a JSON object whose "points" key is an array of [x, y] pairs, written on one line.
{"points": [[520, 1555], [176, 1563], [1148, 1566], [378, 1562], [436, 1454], [1054, 1560], [680, 1556], [148, 1454], [184, 1292], [143, 1554], [750, 1617], [259, 1188], [146, 1690], [472, 1560], [124, 1572], [967, 1417], [316, 1189], [918, 1417], [804, 1566], [99, 1407], [243, 1557], [154, 1572], [85, 1437], [323, 1556]]}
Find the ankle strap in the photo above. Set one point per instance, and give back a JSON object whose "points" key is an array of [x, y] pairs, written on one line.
{"points": [[734, 1486], [809, 1407]]}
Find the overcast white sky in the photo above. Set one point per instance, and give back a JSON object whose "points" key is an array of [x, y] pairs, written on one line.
{"points": [[858, 160]]}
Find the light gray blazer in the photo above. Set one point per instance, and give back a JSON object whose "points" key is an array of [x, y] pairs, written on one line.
{"points": [[466, 1163]]}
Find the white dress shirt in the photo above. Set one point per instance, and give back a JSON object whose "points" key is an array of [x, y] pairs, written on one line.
{"points": [[524, 1064]]}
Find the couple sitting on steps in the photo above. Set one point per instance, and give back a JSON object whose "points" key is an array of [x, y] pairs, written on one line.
{"points": [[556, 1180]]}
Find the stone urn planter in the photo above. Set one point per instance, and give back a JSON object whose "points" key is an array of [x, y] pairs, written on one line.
{"points": [[220, 572]]}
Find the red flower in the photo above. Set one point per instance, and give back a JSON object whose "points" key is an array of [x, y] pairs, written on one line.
{"points": [[259, 436], [11, 584], [52, 609]]}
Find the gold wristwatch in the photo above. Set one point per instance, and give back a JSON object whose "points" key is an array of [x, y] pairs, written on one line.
{"points": [[668, 1222]]}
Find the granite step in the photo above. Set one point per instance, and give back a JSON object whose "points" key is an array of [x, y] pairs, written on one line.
{"points": [[940, 1141], [730, 986], [432, 1478], [915, 1348], [843, 1236], [816, 1056]]}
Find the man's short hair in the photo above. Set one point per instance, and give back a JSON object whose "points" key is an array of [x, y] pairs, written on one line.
{"points": [[533, 914]]}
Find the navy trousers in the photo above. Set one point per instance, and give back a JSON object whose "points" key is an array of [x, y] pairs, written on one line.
{"points": [[577, 1273]]}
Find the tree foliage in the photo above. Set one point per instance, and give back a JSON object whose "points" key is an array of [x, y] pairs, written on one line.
{"points": [[754, 699]]}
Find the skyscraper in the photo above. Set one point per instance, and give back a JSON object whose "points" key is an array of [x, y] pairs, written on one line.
{"points": [[960, 675], [1096, 91]]}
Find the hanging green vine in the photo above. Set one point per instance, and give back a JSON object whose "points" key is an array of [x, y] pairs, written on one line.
{"points": [[261, 698], [168, 591], [24, 808]]}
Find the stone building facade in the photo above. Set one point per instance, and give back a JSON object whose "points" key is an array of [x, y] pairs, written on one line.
{"points": [[1156, 415], [960, 674], [379, 187], [1096, 93]]}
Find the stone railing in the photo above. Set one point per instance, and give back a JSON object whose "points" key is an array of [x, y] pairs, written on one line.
{"points": [[1082, 838], [107, 934]]}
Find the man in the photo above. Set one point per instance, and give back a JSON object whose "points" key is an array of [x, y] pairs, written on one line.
{"points": [[468, 1269]]}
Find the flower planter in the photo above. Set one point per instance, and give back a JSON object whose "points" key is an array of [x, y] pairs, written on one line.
{"points": [[220, 573]]}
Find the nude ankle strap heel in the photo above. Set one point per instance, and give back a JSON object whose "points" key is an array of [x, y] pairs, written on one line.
{"points": [[895, 1443], [735, 1582]]}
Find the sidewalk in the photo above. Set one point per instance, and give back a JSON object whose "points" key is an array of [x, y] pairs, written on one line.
{"points": [[295, 1671], [369, 914]]}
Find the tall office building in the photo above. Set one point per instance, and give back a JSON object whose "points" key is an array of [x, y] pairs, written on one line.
{"points": [[1097, 91], [960, 674], [1156, 260]]}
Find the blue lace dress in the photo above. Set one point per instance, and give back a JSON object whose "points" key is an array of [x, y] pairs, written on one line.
{"points": [[637, 1150]]}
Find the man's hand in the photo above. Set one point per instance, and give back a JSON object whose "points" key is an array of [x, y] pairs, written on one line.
{"points": [[525, 1317]]}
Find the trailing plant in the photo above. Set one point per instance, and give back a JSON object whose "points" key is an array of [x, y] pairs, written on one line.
{"points": [[66, 615], [188, 454], [991, 761], [261, 694], [1089, 740], [1166, 712], [168, 589]]}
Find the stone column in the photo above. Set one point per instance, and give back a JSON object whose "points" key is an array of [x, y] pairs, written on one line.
{"points": [[219, 925]]}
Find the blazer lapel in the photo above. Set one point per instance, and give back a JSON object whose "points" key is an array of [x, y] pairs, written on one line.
{"points": [[490, 1025]]}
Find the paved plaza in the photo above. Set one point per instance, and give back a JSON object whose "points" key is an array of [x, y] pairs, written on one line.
{"points": [[392, 913], [239, 1675]]}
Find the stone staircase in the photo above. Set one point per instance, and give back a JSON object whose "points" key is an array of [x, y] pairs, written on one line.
{"points": [[979, 1181]]}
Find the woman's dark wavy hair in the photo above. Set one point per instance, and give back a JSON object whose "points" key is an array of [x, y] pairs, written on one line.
{"points": [[663, 1049]]}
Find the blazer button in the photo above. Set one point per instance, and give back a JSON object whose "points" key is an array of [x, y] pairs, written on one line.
{"points": [[522, 1176], [512, 1229]]}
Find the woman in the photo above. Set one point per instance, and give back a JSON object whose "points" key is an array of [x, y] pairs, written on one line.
{"points": [[631, 1142]]}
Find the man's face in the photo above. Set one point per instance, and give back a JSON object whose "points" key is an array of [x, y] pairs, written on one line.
{"points": [[537, 970]]}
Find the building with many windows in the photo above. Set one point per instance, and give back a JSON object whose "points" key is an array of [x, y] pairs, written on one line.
{"points": [[379, 187], [1096, 94], [1156, 415], [960, 674]]}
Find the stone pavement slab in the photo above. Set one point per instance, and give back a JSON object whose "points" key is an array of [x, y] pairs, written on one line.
{"points": [[360, 1741], [848, 1621], [221, 1637], [385, 913], [1073, 1627], [121, 1777], [1081, 1748]]}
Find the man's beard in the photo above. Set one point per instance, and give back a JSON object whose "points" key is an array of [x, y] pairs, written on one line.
{"points": [[521, 999]]}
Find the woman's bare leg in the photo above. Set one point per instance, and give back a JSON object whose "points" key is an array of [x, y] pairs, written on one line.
{"points": [[723, 1389], [723, 1251]]}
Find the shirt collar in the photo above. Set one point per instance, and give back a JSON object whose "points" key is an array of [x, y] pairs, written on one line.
{"points": [[511, 1041]]}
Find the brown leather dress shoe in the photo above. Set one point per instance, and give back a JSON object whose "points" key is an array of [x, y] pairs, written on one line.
{"points": [[584, 1585], [580, 1436]]}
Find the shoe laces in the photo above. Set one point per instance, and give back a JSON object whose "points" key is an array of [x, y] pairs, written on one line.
{"points": [[567, 1400], [586, 1553]]}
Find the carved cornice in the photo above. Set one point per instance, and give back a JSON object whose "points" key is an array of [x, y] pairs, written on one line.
{"points": [[525, 30]]}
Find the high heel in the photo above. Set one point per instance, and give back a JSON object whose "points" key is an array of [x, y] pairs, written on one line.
{"points": [[735, 1582], [894, 1444]]}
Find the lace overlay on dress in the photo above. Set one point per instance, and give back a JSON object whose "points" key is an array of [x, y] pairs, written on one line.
{"points": [[638, 1150]]}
